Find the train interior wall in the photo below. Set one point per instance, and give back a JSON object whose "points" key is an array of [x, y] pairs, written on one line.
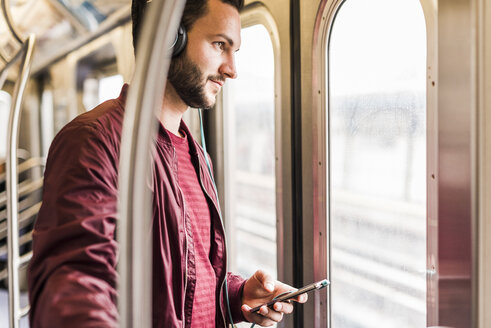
{"points": [[458, 132]]}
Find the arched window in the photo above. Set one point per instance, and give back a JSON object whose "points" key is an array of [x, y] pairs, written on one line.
{"points": [[250, 175], [376, 63]]}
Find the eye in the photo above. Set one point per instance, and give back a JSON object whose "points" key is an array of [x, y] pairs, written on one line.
{"points": [[220, 45]]}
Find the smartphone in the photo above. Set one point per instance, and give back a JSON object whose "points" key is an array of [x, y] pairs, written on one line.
{"points": [[289, 295]]}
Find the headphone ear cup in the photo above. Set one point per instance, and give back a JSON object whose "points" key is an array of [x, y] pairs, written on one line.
{"points": [[181, 41]]}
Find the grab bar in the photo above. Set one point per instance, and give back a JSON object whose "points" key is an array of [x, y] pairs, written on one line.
{"points": [[14, 261], [145, 95]]}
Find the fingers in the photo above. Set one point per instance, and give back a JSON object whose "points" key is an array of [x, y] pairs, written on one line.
{"points": [[283, 307], [265, 280], [260, 289], [282, 287], [264, 317], [302, 298]]}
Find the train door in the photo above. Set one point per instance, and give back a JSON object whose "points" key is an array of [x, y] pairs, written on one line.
{"points": [[391, 155], [375, 114]]}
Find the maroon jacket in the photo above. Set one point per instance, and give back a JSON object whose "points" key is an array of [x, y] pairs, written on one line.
{"points": [[72, 275]]}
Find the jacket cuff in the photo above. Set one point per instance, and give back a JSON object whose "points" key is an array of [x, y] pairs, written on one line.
{"points": [[235, 289]]}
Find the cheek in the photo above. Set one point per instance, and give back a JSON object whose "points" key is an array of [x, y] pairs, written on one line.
{"points": [[208, 63], [209, 66]]}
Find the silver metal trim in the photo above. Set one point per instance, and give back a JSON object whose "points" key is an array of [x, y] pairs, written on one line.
{"points": [[139, 128], [430, 10], [483, 234], [457, 165], [11, 183], [320, 155]]}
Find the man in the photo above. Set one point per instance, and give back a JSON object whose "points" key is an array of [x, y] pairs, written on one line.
{"points": [[72, 276]]}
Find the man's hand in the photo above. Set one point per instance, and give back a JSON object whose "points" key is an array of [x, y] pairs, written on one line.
{"points": [[262, 288]]}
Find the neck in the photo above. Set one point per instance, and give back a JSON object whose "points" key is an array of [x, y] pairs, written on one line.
{"points": [[172, 109]]}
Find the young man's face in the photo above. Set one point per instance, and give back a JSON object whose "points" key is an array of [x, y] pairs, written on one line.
{"points": [[198, 74]]}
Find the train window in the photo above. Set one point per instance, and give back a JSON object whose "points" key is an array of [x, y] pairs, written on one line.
{"points": [[249, 120], [97, 90], [4, 120], [377, 172], [47, 120], [97, 77], [110, 87]]}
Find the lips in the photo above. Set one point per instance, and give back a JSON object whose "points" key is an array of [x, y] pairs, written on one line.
{"points": [[219, 83]]}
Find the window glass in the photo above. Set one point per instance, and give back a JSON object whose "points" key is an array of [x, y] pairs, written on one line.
{"points": [[110, 87], [250, 156], [377, 151], [47, 120], [5, 101], [98, 90]]}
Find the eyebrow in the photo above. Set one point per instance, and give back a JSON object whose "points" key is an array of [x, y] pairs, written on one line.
{"points": [[229, 40]]}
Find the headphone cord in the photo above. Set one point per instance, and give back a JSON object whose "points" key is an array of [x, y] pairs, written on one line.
{"points": [[203, 144]]}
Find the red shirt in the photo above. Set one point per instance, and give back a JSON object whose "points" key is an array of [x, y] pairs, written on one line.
{"points": [[199, 212], [72, 274]]}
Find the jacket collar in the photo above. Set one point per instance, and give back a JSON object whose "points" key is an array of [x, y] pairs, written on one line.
{"points": [[123, 94], [163, 135]]}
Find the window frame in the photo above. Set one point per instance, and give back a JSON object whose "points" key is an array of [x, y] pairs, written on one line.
{"points": [[253, 14], [324, 22]]}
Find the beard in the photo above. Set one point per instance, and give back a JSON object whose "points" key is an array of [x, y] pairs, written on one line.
{"points": [[189, 82]]}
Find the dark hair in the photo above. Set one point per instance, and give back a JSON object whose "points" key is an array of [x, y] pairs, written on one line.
{"points": [[193, 10]]}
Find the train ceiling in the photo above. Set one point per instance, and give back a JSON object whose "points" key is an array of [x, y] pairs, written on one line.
{"points": [[59, 24]]}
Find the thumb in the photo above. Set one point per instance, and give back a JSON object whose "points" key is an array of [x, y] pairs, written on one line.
{"points": [[265, 280]]}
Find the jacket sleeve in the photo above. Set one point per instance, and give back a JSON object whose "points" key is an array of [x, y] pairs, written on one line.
{"points": [[72, 275], [235, 289]]}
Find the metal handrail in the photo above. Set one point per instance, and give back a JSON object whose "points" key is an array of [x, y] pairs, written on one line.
{"points": [[25, 311], [24, 219], [23, 261], [24, 239], [10, 23], [24, 205], [12, 192], [24, 189], [139, 128], [31, 163]]}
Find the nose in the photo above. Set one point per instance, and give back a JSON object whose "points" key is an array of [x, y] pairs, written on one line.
{"points": [[228, 67]]}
